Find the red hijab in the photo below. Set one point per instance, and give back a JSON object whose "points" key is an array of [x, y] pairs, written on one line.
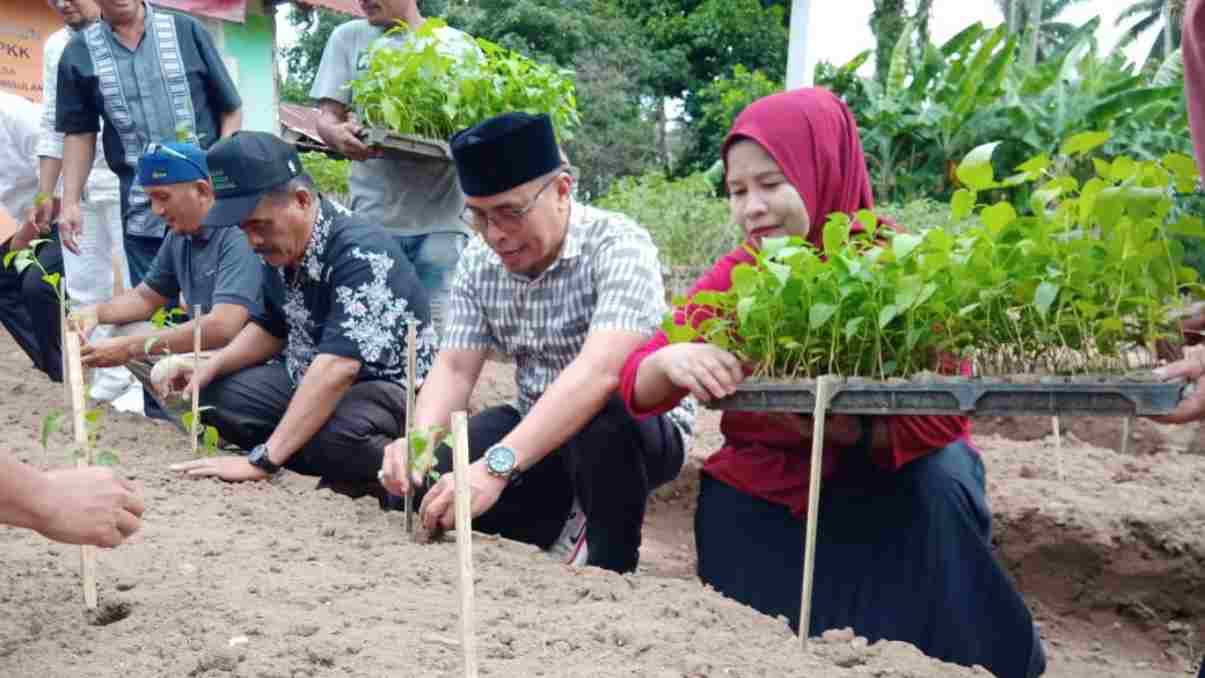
{"points": [[812, 136]]}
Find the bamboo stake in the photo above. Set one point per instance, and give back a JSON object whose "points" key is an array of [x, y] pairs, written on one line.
{"points": [[824, 389], [464, 536], [196, 369], [1058, 446], [411, 368], [83, 454], [64, 330], [1125, 434]]}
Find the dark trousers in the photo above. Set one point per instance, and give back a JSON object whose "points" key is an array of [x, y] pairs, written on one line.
{"points": [[901, 556], [140, 252], [350, 446], [1201, 674], [611, 465], [29, 309]]}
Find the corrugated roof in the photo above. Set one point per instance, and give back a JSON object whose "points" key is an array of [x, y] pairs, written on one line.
{"points": [[351, 7]]}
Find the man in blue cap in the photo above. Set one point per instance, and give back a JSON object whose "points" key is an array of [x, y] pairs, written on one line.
{"points": [[339, 297], [213, 268], [568, 291]]}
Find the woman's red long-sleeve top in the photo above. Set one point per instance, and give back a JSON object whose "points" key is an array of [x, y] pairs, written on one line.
{"points": [[761, 456]]}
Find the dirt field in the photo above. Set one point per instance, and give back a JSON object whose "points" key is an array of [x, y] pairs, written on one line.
{"points": [[277, 580]]}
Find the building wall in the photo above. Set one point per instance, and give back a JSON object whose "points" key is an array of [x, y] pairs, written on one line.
{"points": [[248, 48]]}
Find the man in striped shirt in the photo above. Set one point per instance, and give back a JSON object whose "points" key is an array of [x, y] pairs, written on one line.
{"points": [[568, 291]]}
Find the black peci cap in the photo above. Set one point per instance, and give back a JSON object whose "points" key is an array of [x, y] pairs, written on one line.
{"points": [[505, 151]]}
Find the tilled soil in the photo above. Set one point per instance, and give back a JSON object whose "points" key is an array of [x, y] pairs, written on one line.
{"points": [[278, 580]]}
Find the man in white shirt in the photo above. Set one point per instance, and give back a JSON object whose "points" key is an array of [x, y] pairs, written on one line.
{"points": [[27, 304], [417, 200], [89, 274]]}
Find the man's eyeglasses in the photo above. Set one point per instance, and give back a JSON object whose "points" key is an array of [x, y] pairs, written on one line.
{"points": [[155, 148], [507, 219]]}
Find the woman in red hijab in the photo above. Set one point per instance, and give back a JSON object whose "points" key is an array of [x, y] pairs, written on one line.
{"points": [[904, 548]]}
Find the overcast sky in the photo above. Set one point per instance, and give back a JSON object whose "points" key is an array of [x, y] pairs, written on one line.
{"points": [[840, 30]]}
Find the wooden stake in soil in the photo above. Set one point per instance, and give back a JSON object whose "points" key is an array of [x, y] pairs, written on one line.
{"points": [[83, 454], [1058, 445], [464, 536], [1126, 427], [196, 369], [411, 368], [824, 388], [64, 330]]}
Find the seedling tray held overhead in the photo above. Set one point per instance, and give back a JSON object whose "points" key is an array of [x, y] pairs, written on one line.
{"points": [[407, 144], [1063, 396]]}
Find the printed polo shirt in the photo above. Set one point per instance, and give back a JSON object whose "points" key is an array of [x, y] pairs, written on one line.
{"points": [[353, 295]]}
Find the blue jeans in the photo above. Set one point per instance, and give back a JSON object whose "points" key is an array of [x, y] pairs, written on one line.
{"points": [[434, 257]]}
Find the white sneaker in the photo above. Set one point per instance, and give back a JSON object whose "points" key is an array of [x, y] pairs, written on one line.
{"points": [[570, 548], [110, 383], [130, 401]]}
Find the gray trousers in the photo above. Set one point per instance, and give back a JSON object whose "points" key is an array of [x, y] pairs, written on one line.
{"points": [[350, 446]]}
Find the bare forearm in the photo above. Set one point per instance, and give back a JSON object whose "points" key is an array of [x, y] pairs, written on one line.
{"points": [[325, 383], [23, 492], [447, 388], [252, 346], [79, 150], [133, 306], [49, 170], [331, 113], [231, 122], [218, 329]]}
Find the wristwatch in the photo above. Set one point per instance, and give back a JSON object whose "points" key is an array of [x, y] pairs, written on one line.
{"points": [[260, 459], [502, 462]]}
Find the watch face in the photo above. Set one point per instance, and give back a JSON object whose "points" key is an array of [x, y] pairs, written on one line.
{"points": [[500, 460]]}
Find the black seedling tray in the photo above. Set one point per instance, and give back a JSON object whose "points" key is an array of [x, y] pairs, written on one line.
{"points": [[406, 143], [972, 396]]}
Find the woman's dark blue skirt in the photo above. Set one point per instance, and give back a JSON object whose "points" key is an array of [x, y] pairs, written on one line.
{"points": [[900, 556]]}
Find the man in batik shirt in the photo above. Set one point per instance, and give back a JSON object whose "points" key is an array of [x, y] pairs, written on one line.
{"points": [[339, 298]]}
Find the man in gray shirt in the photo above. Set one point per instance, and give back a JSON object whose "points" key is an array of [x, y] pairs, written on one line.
{"points": [[417, 199], [215, 269]]}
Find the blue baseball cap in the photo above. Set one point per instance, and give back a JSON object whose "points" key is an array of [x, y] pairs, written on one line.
{"points": [[164, 164]]}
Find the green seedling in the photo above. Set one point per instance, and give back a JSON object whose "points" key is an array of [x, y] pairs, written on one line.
{"points": [[1078, 277], [430, 88], [52, 423], [423, 443], [209, 434]]}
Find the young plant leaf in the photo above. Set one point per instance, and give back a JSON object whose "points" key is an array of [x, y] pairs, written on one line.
{"points": [[975, 170], [106, 458], [50, 425], [1083, 142]]}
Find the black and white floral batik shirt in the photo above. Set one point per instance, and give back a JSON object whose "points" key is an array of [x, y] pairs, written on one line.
{"points": [[353, 295]]}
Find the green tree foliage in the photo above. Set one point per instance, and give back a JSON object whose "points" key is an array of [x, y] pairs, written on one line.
{"points": [[719, 103], [1164, 16], [314, 27], [937, 106], [887, 22]]}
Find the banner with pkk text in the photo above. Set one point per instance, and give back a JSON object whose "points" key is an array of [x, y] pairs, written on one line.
{"points": [[24, 27], [226, 10]]}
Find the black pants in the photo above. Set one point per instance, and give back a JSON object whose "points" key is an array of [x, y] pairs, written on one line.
{"points": [[29, 309], [611, 465], [900, 556], [350, 446]]}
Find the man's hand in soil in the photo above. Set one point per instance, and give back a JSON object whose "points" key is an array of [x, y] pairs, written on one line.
{"points": [[393, 469], [84, 320], [230, 469], [1192, 368], [439, 506], [105, 353], [89, 506], [174, 375]]}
